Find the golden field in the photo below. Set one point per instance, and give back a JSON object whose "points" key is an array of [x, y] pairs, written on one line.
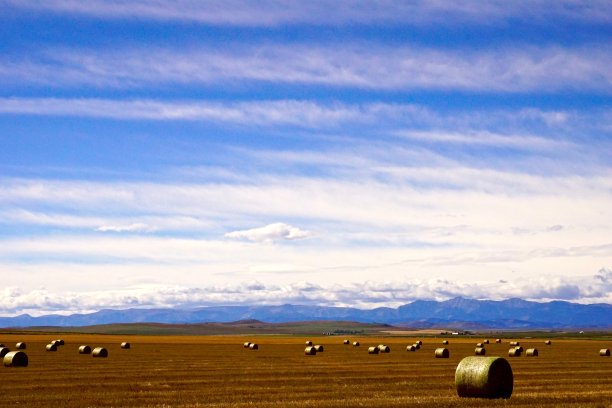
{"points": [[216, 371]]}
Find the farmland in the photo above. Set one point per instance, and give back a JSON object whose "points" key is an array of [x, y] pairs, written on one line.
{"points": [[216, 371]]}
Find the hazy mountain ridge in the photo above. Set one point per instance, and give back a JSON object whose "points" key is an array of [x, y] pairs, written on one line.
{"points": [[457, 312]]}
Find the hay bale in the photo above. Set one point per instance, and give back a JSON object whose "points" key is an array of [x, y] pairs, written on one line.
{"points": [[532, 352], [484, 377], [498, 340], [319, 348], [51, 347], [308, 343], [2, 345], [444, 341], [383, 348], [520, 348], [253, 346], [85, 349], [125, 345], [419, 342], [604, 352], [99, 352], [15, 359], [21, 346], [548, 342], [246, 344], [480, 351], [411, 348], [417, 346], [355, 344], [4, 351], [515, 343], [56, 343], [310, 351], [442, 353], [479, 345], [514, 352], [60, 342], [373, 350], [486, 341], [347, 341]]}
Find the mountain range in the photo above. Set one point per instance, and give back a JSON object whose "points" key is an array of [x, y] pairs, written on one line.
{"points": [[460, 313]]}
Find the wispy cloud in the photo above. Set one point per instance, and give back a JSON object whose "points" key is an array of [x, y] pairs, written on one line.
{"points": [[320, 12], [365, 66], [270, 233], [126, 228]]}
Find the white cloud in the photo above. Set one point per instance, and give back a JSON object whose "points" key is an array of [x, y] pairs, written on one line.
{"points": [[137, 227], [365, 294], [269, 233], [365, 66], [321, 12]]}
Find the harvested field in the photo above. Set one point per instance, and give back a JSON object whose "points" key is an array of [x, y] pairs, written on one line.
{"points": [[217, 371]]}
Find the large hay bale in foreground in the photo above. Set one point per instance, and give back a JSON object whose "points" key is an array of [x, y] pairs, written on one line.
{"points": [[308, 343], [51, 347], [514, 352], [410, 348], [15, 359], [253, 346], [125, 345], [480, 351], [604, 352], [99, 352], [84, 349], [355, 344], [383, 348], [310, 351], [20, 346], [4, 351], [373, 350], [319, 348], [484, 377], [442, 353], [548, 342], [532, 352], [444, 341], [347, 341]]}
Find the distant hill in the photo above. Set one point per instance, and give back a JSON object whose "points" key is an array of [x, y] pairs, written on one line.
{"points": [[458, 312]]}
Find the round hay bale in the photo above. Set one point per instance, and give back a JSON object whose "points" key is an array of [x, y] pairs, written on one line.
{"points": [[253, 346], [319, 348], [484, 377], [410, 348], [355, 344], [442, 353], [60, 342], [548, 342], [246, 344], [347, 341], [520, 348], [51, 347], [21, 346], [515, 343], [4, 351], [99, 352], [15, 359], [55, 343], [445, 342], [2, 345], [486, 341], [419, 342], [514, 352], [308, 343], [479, 345], [417, 346], [310, 351], [498, 340], [532, 352], [383, 348], [604, 352], [373, 350], [125, 345], [480, 351], [85, 349]]}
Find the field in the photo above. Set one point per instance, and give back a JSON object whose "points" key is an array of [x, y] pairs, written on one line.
{"points": [[216, 371]]}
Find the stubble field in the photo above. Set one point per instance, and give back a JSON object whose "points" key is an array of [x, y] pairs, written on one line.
{"points": [[216, 371]]}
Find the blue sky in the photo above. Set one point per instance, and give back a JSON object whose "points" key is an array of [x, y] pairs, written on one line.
{"points": [[183, 153]]}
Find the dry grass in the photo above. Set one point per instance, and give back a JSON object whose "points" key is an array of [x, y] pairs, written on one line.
{"points": [[216, 371]]}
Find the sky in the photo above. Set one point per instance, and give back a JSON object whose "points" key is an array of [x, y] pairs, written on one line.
{"points": [[179, 153]]}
